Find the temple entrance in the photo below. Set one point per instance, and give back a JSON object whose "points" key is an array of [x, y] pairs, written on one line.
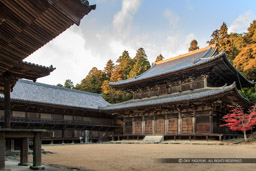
{"points": [[202, 124], [172, 125], [159, 125], [148, 125], [187, 126], [138, 127], [128, 127]]}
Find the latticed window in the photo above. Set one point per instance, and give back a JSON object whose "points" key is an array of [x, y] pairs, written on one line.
{"points": [[154, 92], [185, 87], [198, 84], [137, 95], [144, 93], [57, 117], [163, 90], [175, 88]]}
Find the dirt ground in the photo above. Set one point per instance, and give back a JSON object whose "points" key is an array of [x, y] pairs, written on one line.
{"points": [[144, 156]]}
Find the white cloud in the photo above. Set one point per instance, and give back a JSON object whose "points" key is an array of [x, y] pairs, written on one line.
{"points": [[123, 18], [241, 24], [172, 18], [78, 49], [68, 54]]}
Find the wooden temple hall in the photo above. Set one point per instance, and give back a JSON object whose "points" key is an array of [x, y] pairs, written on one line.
{"points": [[181, 97], [25, 26]]}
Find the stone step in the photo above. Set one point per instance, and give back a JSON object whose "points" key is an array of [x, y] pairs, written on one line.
{"points": [[153, 139]]}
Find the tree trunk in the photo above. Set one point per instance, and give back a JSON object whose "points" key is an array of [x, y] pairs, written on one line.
{"points": [[245, 137]]}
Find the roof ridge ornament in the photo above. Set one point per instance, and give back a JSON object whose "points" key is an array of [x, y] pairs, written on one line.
{"points": [[86, 3]]}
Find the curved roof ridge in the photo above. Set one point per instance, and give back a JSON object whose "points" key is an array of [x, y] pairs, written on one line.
{"points": [[233, 85], [232, 67], [38, 65], [57, 87], [173, 98], [187, 54]]}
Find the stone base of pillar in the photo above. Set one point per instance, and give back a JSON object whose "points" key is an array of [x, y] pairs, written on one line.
{"points": [[23, 164], [42, 167]]}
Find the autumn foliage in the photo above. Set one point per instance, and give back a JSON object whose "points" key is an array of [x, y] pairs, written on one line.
{"points": [[238, 120]]}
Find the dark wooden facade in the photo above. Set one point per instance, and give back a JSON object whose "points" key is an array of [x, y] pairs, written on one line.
{"points": [[190, 100], [70, 115], [64, 125]]}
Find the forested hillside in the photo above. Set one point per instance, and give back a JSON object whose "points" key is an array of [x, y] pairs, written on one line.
{"points": [[240, 50]]}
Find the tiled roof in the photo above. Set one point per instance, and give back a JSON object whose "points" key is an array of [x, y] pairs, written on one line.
{"points": [[51, 68], [174, 98], [173, 64], [29, 91]]}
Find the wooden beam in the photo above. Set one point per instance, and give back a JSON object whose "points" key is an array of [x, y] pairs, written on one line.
{"points": [[7, 101]]}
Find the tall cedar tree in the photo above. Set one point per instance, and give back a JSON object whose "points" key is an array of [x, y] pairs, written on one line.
{"points": [[123, 67], [245, 61], [250, 36], [159, 58], [109, 69], [93, 81], [241, 51], [222, 39], [193, 46], [141, 63], [120, 72]]}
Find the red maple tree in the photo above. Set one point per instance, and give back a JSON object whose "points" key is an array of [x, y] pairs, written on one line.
{"points": [[238, 120]]}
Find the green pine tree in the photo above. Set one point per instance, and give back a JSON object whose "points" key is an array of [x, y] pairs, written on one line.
{"points": [[141, 63]]}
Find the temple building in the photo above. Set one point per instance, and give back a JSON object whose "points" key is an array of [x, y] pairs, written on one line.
{"points": [[68, 115], [185, 96], [25, 26]]}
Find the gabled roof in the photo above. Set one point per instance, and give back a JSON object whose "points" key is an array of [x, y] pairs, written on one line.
{"points": [[28, 91], [25, 70], [201, 58], [184, 97], [27, 25], [171, 65]]}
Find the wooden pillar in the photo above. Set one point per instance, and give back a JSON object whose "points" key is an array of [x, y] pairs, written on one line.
{"points": [[143, 125], [7, 102], [12, 143], [62, 135], [205, 80], [87, 136], [37, 156], [2, 150], [180, 86], [24, 152], [124, 127], [73, 136], [133, 126], [153, 125], [166, 125], [179, 122], [194, 121], [191, 83], [211, 121]]}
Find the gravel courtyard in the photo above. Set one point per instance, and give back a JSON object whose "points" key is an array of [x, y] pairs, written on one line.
{"points": [[143, 156]]}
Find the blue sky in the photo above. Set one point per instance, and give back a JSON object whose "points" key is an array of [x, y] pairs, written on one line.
{"points": [[164, 26]]}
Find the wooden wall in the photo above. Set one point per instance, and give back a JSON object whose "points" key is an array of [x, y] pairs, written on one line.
{"points": [[187, 121], [196, 82]]}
